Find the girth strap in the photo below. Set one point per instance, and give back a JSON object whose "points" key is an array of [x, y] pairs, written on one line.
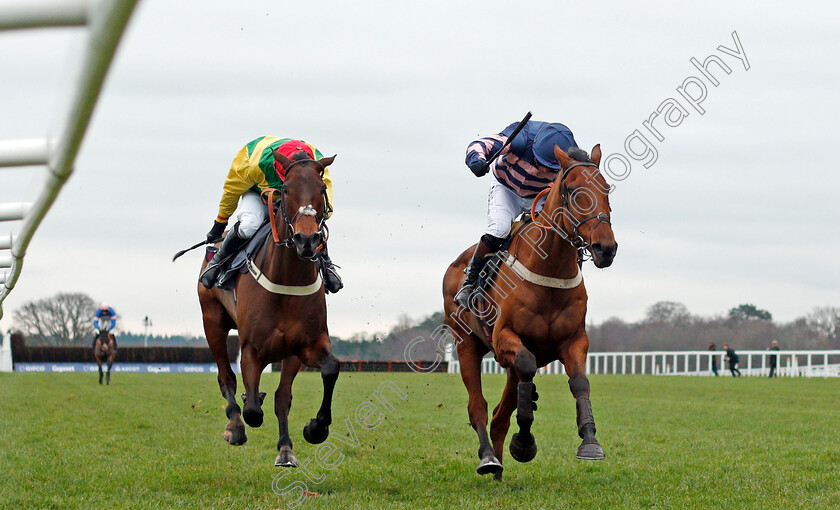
{"points": [[288, 290], [537, 279]]}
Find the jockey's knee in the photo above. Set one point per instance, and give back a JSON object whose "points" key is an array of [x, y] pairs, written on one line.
{"points": [[498, 229], [247, 225]]}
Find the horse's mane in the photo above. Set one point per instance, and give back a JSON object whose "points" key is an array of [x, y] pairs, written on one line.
{"points": [[300, 156], [578, 154]]}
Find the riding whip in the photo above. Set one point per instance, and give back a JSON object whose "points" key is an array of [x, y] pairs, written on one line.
{"points": [[202, 243], [516, 131]]}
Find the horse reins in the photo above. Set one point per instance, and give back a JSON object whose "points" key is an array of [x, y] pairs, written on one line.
{"points": [[575, 239]]}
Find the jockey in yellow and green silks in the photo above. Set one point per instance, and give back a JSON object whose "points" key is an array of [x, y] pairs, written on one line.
{"points": [[253, 170]]}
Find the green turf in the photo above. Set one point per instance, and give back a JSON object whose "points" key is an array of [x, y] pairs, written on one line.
{"points": [[155, 441]]}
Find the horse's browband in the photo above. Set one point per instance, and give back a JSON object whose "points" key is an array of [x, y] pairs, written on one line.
{"points": [[295, 162]]}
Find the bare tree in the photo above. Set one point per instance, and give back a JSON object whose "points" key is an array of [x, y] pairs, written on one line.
{"points": [[825, 321], [669, 312], [63, 319]]}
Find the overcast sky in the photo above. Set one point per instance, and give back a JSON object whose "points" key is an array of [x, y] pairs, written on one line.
{"points": [[740, 205]]}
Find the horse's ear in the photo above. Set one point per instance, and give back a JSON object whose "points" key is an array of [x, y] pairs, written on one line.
{"points": [[596, 154], [562, 158], [283, 160], [325, 162]]}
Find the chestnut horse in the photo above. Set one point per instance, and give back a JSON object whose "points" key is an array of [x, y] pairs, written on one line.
{"points": [[279, 310], [540, 314], [105, 350]]}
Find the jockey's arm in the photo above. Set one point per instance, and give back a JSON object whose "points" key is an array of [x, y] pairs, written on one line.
{"points": [[328, 182], [241, 178], [482, 148], [96, 323]]}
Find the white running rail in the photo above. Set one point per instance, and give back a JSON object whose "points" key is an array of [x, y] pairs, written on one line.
{"points": [[693, 363], [105, 21]]}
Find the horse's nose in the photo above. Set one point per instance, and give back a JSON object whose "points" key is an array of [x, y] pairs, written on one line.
{"points": [[603, 254], [306, 244]]}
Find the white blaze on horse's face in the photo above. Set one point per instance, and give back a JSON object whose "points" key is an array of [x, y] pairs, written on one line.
{"points": [[307, 210]]}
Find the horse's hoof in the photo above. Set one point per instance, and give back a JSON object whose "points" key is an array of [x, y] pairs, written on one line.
{"points": [[523, 450], [313, 434], [590, 451], [490, 464], [286, 458], [497, 477], [253, 416], [235, 436]]}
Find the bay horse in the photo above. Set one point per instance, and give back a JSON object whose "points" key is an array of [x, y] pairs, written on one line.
{"points": [[537, 311], [279, 310], [105, 350]]}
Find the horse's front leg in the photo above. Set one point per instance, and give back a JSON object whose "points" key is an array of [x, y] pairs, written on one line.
{"points": [[100, 371], [282, 404], [318, 428], [574, 358], [252, 369], [514, 356]]}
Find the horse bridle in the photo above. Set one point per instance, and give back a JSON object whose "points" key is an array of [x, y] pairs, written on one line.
{"points": [[574, 238], [306, 210]]}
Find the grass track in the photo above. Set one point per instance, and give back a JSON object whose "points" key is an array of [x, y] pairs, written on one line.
{"points": [[154, 441]]}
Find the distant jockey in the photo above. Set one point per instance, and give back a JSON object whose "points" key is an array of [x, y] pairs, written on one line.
{"points": [[524, 168], [108, 318], [253, 170]]}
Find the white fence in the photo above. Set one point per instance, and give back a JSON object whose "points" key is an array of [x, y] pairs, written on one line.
{"points": [[104, 21], [693, 363]]}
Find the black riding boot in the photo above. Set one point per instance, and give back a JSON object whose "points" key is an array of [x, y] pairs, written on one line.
{"points": [[332, 281], [233, 241], [479, 258]]}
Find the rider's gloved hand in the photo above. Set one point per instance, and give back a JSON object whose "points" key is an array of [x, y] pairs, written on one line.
{"points": [[480, 168], [216, 232]]}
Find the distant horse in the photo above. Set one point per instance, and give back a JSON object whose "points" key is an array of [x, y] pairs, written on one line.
{"points": [[105, 350], [279, 309], [535, 312]]}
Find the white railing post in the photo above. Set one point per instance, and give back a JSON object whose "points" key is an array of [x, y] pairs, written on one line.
{"points": [[6, 352]]}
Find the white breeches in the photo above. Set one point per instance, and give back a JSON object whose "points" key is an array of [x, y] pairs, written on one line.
{"points": [[503, 205], [250, 213]]}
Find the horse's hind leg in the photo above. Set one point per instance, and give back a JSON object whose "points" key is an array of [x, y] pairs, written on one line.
{"points": [[500, 423], [217, 333], [470, 355], [282, 404], [513, 355], [574, 358], [318, 428], [108, 375]]}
